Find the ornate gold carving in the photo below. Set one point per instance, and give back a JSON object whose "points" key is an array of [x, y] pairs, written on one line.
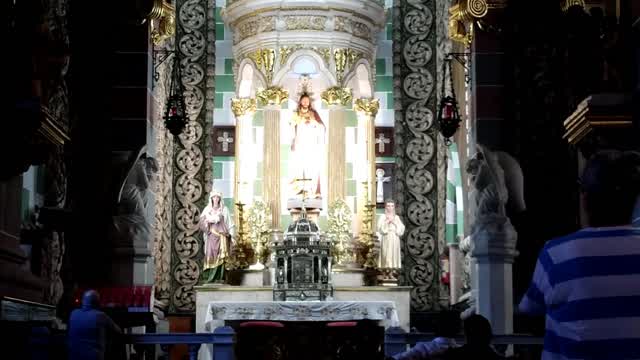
{"points": [[337, 96], [254, 26], [305, 22], [264, 59], [259, 221], [344, 59], [339, 232], [324, 52], [355, 28], [165, 25], [566, 4], [273, 95], [243, 106], [301, 9], [465, 12], [286, 51], [368, 106]]}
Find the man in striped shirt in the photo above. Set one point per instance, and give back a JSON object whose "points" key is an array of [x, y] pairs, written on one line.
{"points": [[588, 283]]}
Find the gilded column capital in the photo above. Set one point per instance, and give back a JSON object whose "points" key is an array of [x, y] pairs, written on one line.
{"points": [[273, 96], [165, 25], [243, 106], [367, 106], [463, 13], [337, 95]]}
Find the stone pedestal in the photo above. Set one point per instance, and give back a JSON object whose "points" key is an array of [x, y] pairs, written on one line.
{"points": [[348, 277], [493, 254]]}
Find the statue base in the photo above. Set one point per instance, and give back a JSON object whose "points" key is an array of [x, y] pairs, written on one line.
{"points": [[389, 277]]}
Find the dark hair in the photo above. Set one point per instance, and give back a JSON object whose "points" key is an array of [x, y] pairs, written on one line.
{"points": [[477, 330], [447, 324], [611, 185]]}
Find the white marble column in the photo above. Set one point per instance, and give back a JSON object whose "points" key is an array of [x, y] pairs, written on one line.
{"points": [[337, 98], [243, 109], [367, 108], [271, 98]]}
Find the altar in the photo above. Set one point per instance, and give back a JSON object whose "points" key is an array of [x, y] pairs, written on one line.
{"points": [[395, 301]]}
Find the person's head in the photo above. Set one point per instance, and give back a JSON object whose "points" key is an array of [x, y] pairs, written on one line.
{"points": [[215, 200], [305, 102], [477, 330], [390, 207], [447, 324], [610, 187], [90, 299]]}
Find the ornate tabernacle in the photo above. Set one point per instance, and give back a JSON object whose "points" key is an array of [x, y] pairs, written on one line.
{"points": [[302, 263]]}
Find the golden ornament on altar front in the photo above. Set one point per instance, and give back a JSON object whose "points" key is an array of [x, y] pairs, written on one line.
{"points": [[368, 106], [273, 95], [243, 106], [337, 96]]}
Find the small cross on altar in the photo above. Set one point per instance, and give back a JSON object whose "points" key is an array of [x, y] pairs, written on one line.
{"points": [[381, 140], [225, 139], [304, 191]]}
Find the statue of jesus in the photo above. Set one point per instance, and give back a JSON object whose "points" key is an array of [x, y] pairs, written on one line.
{"points": [[307, 149]]}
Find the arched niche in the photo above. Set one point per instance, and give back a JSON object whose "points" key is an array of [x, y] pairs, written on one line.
{"points": [[360, 80], [303, 63], [249, 79]]}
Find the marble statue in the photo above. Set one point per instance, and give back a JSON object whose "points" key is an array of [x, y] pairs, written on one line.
{"points": [[497, 181], [307, 149], [217, 227], [390, 229], [132, 221]]}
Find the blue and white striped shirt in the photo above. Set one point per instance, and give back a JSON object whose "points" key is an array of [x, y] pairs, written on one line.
{"points": [[588, 285]]}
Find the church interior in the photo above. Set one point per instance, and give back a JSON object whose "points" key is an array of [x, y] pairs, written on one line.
{"points": [[318, 179]]}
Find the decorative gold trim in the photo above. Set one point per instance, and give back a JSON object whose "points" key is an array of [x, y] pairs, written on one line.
{"points": [[464, 13], [165, 27], [367, 106], [280, 9], [273, 95], [51, 130], [243, 106], [337, 95], [566, 4]]}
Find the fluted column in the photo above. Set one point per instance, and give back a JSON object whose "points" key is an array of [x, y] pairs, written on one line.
{"points": [[271, 98], [367, 109], [243, 109], [337, 98]]}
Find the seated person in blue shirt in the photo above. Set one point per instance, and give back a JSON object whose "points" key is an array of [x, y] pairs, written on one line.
{"points": [[90, 329]]}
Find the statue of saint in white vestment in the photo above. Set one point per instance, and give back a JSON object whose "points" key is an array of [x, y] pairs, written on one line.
{"points": [[390, 229]]}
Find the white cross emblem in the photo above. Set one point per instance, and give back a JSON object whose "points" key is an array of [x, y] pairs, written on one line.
{"points": [[225, 139], [381, 141]]}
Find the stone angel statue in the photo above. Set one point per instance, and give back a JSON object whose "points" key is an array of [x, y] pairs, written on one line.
{"points": [[132, 221], [498, 183]]}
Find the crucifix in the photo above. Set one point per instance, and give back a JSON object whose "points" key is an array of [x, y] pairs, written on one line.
{"points": [[381, 141], [225, 139], [380, 180], [303, 192]]}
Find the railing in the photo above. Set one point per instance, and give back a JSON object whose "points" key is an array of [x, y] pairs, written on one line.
{"points": [[396, 340], [45, 346]]}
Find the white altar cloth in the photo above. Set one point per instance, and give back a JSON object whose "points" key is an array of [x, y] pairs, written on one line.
{"points": [[219, 311]]}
